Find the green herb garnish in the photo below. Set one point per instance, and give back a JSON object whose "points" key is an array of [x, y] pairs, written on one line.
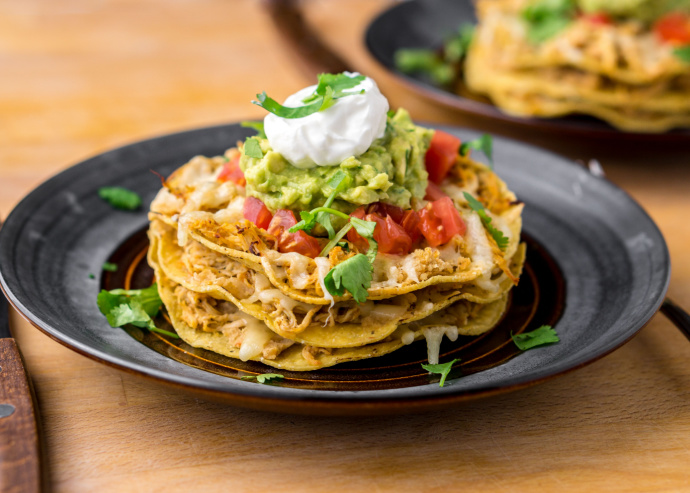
{"points": [[135, 306], [538, 337], [264, 377], [498, 236], [322, 215], [91, 276], [442, 369], [120, 198], [683, 52], [330, 88], [258, 126], [456, 47], [425, 61], [441, 66], [485, 144], [354, 274], [109, 267], [546, 18], [252, 148]]}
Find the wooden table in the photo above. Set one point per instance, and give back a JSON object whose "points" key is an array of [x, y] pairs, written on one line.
{"points": [[79, 77]]}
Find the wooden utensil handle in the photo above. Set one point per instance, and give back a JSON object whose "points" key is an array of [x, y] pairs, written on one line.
{"points": [[20, 459]]}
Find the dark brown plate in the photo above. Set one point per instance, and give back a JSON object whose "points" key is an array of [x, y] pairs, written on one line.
{"points": [[425, 24], [598, 269]]}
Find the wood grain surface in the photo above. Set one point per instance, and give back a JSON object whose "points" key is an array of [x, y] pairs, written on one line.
{"points": [[20, 451], [82, 76]]}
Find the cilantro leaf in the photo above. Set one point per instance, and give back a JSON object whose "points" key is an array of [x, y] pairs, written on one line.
{"points": [[442, 369], [136, 307], [252, 148], [273, 106], [456, 47], [538, 337], [353, 275], [683, 52], [258, 126], [546, 18], [484, 144], [322, 215], [110, 267], [264, 377], [337, 83], [330, 88], [424, 61], [497, 234], [120, 198]]}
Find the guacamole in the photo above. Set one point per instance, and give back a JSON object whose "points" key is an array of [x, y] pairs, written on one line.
{"points": [[644, 10], [392, 170]]}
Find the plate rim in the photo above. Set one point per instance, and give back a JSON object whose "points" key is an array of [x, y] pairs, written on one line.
{"points": [[309, 400]]}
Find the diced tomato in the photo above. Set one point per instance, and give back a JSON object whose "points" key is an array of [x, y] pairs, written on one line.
{"points": [[256, 211], [440, 221], [390, 236], [299, 242], [599, 18], [441, 155], [353, 236], [232, 172], [410, 224], [674, 27], [434, 192], [384, 210]]}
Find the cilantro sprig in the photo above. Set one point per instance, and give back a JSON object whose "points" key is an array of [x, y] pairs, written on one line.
{"points": [[264, 377], [132, 306], [442, 66], [539, 337], [120, 198], [484, 144], [442, 369], [330, 88], [497, 234], [355, 273], [546, 18], [109, 267], [322, 215]]}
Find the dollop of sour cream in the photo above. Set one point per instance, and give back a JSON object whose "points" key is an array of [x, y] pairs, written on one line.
{"points": [[326, 138]]}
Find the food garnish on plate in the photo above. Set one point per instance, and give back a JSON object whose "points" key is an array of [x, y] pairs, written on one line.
{"points": [[626, 62], [341, 231]]}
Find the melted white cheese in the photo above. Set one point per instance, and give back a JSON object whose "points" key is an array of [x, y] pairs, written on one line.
{"points": [[326, 138], [433, 336], [256, 336]]}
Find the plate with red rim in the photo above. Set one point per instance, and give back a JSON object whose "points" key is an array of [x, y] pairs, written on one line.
{"points": [[597, 270], [425, 24]]}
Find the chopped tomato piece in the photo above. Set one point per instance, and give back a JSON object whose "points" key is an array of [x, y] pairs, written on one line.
{"points": [[441, 155], [384, 210], [353, 236], [599, 18], [232, 172], [256, 211], [410, 223], [390, 236], [674, 27], [440, 221], [299, 242], [434, 192]]}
